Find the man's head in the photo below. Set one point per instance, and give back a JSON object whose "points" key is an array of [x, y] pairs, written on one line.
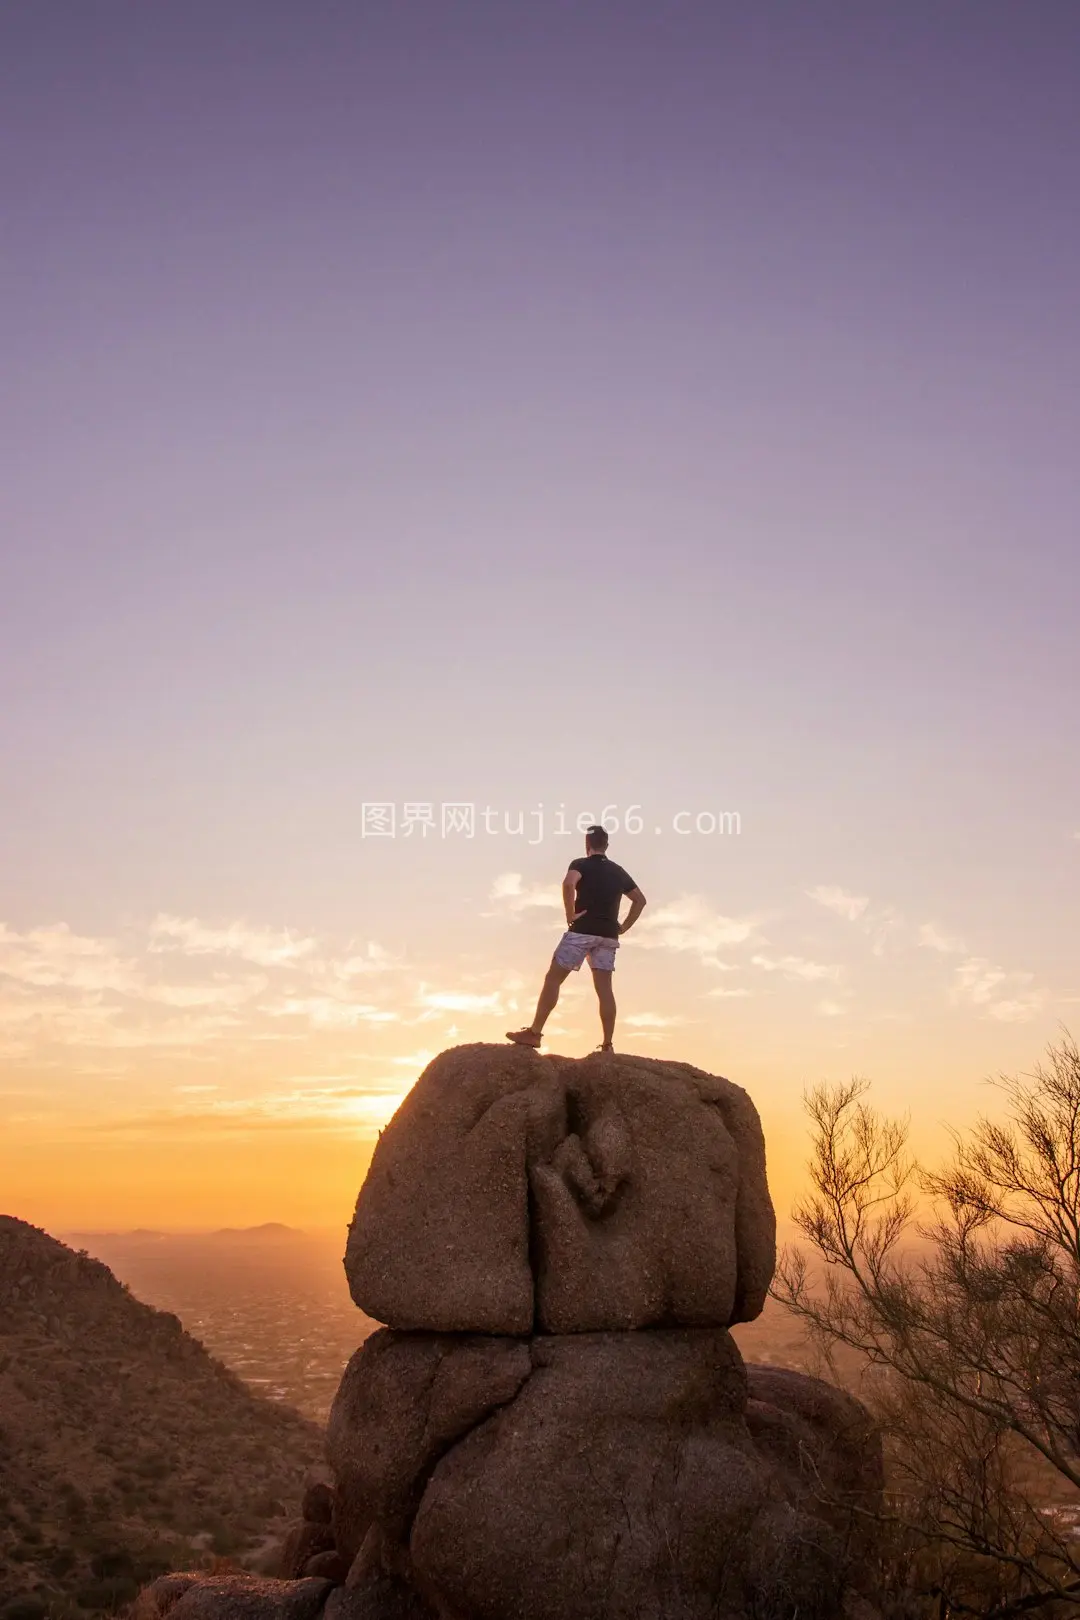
{"points": [[596, 841]]}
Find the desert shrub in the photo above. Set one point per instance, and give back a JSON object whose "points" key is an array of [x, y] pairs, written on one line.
{"points": [[30, 1606], [152, 1562], [187, 1521], [155, 1468], [109, 1563], [966, 1345], [268, 1507], [72, 1500], [64, 1608], [224, 1539], [107, 1596]]}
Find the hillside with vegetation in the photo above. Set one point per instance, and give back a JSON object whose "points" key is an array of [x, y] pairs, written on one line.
{"points": [[125, 1448]]}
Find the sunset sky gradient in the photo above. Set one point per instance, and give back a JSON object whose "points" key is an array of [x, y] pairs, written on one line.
{"points": [[618, 404]]}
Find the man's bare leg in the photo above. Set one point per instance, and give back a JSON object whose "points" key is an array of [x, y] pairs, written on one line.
{"points": [[605, 995], [549, 995]]}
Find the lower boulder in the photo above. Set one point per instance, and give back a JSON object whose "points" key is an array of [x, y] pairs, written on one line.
{"points": [[827, 1450], [377, 1597], [405, 1399], [305, 1543], [594, 1476], [232, 1596]]}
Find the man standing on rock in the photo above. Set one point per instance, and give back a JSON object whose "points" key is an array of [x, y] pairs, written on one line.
{"points": [[592, 892]]}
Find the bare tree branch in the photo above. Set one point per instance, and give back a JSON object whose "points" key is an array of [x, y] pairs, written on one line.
{"points": [[964, 1328]]}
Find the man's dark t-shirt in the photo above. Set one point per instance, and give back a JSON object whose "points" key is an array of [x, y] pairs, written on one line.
{"points": [[600, 888]]}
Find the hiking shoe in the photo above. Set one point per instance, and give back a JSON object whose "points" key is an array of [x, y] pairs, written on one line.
{"points": [[524, 1037]]}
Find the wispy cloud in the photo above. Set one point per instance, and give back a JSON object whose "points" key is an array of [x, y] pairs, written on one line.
{"points": [[849, 906], [370, 1105], [375, 959], [995, 992], [513, 895], [933, 938], [721, 993], [301, 1107], [880, 924], [830, 1009], [414, 1060], [228, 993], [329, 1012], [164, 989], [796, 967], [98, 1025], [1011, 997], [1019, 1009], [690, 923], [266, 947], [883, 927], [651, 1020], [460, 1001], [54, 955], [977, 980]]}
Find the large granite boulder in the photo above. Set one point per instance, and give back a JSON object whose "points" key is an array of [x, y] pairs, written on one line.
{"points": [[305, 1542], [557, 1424], [403, 1401], [380, 1597], [512, 1193], [440, 1237], [827, 1449], [575, 1477]]}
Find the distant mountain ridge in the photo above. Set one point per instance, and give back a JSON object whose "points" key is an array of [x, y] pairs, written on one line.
{"points": [[125, 1448], [269, 1230]]}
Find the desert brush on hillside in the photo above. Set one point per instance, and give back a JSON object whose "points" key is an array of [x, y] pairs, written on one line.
{"points": [[125, 1448]]}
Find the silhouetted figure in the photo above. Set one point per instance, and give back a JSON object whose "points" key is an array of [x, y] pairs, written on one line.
{"points": [[592, 893]]}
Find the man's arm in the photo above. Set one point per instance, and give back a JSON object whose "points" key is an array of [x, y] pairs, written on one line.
{"points": [[637, 906], [569, 894]]}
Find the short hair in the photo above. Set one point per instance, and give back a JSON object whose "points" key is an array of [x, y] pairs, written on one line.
{"points": [[597, 837]]}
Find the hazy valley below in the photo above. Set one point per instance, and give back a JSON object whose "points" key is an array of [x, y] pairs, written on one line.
{"points": [[270, 1302], [273, 1304]]}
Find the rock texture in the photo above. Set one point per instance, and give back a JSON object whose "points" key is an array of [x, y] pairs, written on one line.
{"points": [[233, 1597], [826, 1450], [404, 1401], [557, 1423], [593, 1475], [565, 1197]]}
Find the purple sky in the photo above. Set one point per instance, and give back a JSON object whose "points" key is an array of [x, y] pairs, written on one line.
{"points": [[596, 403]]}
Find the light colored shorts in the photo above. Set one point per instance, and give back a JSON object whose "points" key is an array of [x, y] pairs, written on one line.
{"points": [[573, 948]]}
